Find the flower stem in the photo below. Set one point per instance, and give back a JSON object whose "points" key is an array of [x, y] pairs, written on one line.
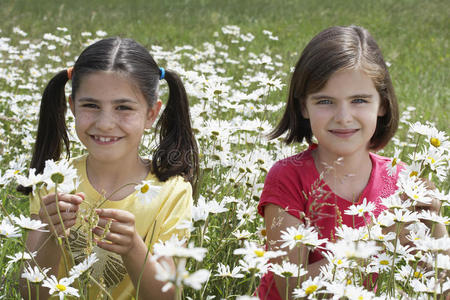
{"points": [[392, 281]]}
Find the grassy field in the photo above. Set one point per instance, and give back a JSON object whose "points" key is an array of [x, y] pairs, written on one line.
{"points": [[230, 125], [413, 35]]}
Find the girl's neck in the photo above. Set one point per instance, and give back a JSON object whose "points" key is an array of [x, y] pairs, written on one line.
{"points": [[116, 179], [346, 176]]}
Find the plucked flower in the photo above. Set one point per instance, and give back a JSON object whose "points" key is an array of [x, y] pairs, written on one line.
{"points": [[60, 287], [61, 173]]}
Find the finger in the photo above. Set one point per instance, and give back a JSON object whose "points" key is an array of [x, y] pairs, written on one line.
{"points": [[65, 216], [111, 247], [120, 215], [71, 198], [63, 207], [58, 228], [115, 226], [112, 237]]}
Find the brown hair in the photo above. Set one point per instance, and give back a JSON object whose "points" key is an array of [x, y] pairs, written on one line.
{"points": [[176, 153], [335, 49]]}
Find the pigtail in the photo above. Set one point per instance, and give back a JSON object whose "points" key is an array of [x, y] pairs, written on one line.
{"points": [[52, 129], [177, 153]]}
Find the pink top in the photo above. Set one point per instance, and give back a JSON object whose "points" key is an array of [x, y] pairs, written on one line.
{"points": [[293, 178]]}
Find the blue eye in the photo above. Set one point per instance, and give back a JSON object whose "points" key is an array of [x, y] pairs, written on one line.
{"points": [[359, 100], [324, 101], [123, 107]]}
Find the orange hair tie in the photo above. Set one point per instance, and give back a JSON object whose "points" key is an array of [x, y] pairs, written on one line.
{"points": [[69, 73]]}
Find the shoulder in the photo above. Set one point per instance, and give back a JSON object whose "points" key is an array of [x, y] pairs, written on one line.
{"points": [[175, 188], [291, 167]]}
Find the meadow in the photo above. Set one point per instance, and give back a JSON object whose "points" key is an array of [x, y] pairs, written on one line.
{"points": [[235, 58]]}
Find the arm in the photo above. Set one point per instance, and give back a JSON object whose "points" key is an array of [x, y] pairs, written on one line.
{"points": [[278, 220], [44, 242], [123, 239]]}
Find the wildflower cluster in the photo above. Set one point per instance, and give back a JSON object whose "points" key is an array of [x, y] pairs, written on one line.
{"points": [[235, 98]]}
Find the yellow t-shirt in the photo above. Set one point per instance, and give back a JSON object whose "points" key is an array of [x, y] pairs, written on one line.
{"points": [[165, 211]]}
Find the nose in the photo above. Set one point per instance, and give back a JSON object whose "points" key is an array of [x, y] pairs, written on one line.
{"points": [[343, 114], [105, 121]]}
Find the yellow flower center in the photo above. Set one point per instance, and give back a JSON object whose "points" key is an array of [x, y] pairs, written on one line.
{"points": [[384, 262], [263, 232], [416, 196], [394, 161], [381, 237], [413, 173], [61, 287], [145, 188], [431, 159], [339, 261], [349, 281], [311, 289], [298, 237], [16, 172], [360, 298], [435, 142], [259, 253], [418, 275]]}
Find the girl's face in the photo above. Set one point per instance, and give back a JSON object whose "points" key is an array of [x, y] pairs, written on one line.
{"points": [[110, 116], [343, 115]]}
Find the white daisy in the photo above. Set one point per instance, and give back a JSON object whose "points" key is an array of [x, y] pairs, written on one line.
{"points": [[28, 223], [147, 191], [287, 269], [360, 209], [60, 287], [34, 275], [82, 267], [224, 271]]}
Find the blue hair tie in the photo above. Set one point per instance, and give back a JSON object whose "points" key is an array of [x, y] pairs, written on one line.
{"points": [[162, 73]]}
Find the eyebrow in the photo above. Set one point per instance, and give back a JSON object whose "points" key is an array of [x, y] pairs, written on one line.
{"points": [[115, 101], [322, 96]]}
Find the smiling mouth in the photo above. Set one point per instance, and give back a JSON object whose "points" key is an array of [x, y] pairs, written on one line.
{"points": [[105, 139], [343, 132]]}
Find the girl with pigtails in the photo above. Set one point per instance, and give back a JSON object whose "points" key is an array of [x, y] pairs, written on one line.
{"points": [[114, 99]]}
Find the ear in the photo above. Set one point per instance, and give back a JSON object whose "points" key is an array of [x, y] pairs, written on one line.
{"points": [[71, 105], [152, 114]]}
